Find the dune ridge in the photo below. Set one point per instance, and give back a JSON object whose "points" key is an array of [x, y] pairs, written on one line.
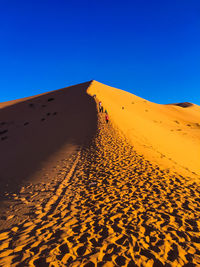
{"points": [[167, 135], [97, 200]]}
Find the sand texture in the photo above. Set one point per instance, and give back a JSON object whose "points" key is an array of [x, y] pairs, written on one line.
{"points": [[96, 199], [167, 135]]}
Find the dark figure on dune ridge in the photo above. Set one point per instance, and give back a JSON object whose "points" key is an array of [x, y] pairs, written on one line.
{"points": [[100, 107], [106, 117]]}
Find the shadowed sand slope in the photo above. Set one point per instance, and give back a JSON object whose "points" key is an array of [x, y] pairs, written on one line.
{"points": [[94, 197], [168, 135], [32, 130], [183, 104]]}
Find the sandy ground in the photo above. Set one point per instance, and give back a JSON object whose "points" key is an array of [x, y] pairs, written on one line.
{"points": [[34, 130], [97, 201], [167, 135]]}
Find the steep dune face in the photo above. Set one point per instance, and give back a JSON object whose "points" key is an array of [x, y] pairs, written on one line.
{"points": [[168, 135], [33, 129]]}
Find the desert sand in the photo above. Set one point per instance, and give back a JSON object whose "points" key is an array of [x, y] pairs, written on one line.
{"points": [[77, 191]]}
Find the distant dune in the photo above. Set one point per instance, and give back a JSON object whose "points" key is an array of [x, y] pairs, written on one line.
{"points": [[183, 104], [79, 190]]}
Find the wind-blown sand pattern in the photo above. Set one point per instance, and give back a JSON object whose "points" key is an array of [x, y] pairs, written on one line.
{"points": [[105, 205]]}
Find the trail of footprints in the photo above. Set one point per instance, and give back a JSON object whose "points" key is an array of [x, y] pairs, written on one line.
{"points": [[113, 208]]}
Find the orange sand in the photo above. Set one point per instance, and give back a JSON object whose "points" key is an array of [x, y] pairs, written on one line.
{"points": [[79, 192], [168, 135]]}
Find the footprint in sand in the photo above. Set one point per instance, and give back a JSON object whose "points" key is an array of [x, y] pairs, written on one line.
{"points": [[112, 208]]}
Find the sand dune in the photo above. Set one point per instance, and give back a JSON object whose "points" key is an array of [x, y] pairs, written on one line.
{"points": [[33, 130], [168, 135], [79, 192]]}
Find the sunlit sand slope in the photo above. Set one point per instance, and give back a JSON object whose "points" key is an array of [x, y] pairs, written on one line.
{"points": [[168, 135]]}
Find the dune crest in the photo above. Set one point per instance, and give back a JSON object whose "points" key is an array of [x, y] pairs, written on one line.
{"points": [[168, 135]]}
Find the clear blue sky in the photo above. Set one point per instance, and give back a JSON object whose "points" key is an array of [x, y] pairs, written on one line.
{"points": [[150, 48]]}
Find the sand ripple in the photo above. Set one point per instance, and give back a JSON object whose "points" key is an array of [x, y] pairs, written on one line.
{"points": [[113, 208]]}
